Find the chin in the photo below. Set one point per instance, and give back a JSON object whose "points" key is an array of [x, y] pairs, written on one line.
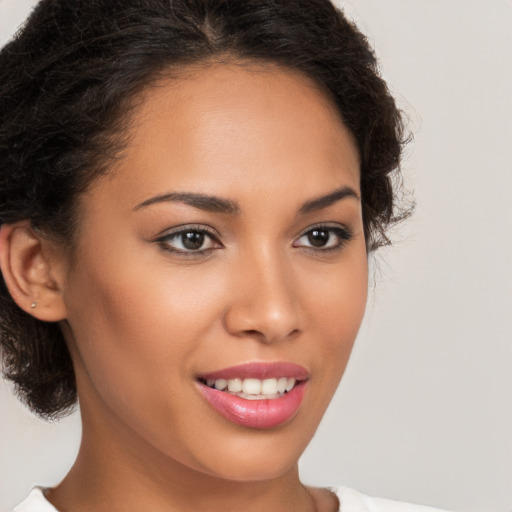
{"points": [[256, 469], [258, 456]]}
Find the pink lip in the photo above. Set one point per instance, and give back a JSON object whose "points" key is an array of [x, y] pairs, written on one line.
{"points": [[260, 414], [267, 413], [258, 371]]}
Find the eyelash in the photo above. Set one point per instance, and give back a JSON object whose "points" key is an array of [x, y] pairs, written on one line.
{"points": [[165, 240], [343, 234]]}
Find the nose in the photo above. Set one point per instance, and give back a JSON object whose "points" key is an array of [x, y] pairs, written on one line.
{"points": [[264, 303]]}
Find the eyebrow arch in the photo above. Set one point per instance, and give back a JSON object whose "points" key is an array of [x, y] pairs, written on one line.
{"points": [[325, 201], [201, 201], [218, 205]]}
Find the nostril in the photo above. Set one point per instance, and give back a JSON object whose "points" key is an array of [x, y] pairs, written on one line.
{"points": [[269, 335], [253, 332]]}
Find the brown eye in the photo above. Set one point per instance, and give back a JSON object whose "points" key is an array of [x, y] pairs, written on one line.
{"points": [[318, 237], [189, 241], [192, 240], [324, 238]]}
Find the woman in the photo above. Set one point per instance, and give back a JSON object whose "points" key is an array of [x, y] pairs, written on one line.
{"points": [[190, 191]]}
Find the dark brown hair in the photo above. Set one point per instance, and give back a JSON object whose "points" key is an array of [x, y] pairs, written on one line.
{"points": [[66, 82]]}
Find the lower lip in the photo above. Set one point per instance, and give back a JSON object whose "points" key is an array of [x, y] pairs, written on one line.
{"points": [[261, 414]]}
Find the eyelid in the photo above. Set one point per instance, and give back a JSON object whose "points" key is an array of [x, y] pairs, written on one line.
{"points": [[327, 225], [343, 232], [164, 237], [166, 233]]}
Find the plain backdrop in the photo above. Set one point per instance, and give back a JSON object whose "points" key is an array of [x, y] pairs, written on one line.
{"points": [[424, 411]]}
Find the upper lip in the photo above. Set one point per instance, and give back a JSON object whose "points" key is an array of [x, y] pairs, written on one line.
{"points": [[258, 370]]}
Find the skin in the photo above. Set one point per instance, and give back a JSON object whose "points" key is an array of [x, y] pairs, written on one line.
{"points": [[143, 320]]}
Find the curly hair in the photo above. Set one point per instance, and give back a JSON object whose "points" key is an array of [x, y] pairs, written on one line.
{"points": [[68, 81]]}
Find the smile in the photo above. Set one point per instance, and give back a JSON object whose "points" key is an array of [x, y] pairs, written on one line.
{"points": [[256, 395], [254, 389]]}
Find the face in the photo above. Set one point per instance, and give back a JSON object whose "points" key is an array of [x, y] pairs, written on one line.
{"points": [[226, 245]]}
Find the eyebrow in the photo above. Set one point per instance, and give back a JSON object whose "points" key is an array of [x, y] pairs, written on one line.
{"points": [[324, 201], [219, 205], [201, 201]]}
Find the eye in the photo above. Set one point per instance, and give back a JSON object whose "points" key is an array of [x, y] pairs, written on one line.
{"points": [[324, 238], [189, 240]]}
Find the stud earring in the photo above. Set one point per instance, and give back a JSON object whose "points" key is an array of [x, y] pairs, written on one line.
{"points": [[34, 304]]}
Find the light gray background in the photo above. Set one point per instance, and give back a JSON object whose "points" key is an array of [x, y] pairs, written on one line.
{"points": [[424, 412]]}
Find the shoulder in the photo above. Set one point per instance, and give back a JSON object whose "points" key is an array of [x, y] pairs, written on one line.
{"points": [[35, 502], [353, 501]]}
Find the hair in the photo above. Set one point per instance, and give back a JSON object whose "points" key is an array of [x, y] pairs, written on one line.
{"points": [[69, 79]]}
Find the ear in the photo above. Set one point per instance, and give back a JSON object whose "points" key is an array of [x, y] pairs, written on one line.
{"points": [[30, 273]]}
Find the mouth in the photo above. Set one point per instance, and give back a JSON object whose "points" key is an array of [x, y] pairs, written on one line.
{"points": [[253, 389], [256, 395]]}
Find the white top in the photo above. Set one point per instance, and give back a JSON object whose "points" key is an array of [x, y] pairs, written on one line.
{"points": [[350, 500]]}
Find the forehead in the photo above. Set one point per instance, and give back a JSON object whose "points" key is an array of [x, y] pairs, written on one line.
{"points": [[215, 127]]}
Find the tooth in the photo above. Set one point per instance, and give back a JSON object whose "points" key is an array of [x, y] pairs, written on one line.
{"points": [[269, 387], [221, 384], [235, 385], [281, 384], [253, 397], [254, 388], [289, 384], [251, 386]]}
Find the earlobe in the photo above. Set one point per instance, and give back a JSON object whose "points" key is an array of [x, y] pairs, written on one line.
{"points": [[29, 274]]}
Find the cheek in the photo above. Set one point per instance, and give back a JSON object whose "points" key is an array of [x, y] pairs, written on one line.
{"points": [[136, 301], [341, 299], [338, 310], [137, 326], [137, 336]]}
